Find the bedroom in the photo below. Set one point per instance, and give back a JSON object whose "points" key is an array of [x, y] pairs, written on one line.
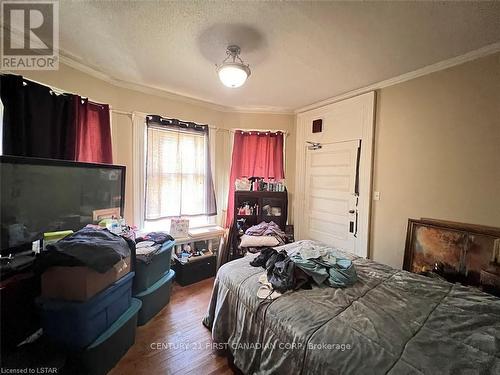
{"points": [[372, 127]]}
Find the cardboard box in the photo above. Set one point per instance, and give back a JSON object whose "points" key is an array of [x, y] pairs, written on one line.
{"points": [[80, 283]]}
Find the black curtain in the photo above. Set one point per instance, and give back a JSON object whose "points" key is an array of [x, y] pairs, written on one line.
{"points": [[36, 122]]}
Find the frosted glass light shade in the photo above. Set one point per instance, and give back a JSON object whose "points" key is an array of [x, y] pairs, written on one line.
{"points": [[233, 74]]}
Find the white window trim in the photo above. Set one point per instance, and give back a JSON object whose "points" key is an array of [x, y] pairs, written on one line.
{"points": [[139, 166]]}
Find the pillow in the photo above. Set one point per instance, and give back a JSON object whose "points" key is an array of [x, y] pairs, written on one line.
{"points": [[258, 241]]}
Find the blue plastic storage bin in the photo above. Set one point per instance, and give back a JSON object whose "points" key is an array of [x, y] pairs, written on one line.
{"points": [[155, 297], [77, 324], [146, 274], [105, 352]]}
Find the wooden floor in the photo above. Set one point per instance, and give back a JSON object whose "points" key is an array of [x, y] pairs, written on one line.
{"points": [[175, 341]]}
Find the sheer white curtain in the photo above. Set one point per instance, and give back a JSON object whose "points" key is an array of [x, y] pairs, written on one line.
{"points": [[176, 173], [178, 170]]}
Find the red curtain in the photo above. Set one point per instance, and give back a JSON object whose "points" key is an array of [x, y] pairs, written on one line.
{"points": [[93, 132], [254, 155]]}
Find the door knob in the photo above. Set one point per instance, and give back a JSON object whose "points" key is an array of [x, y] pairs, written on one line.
{"points": [[352, 211]]}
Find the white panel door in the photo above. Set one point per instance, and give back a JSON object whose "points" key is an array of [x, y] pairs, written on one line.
{"points": [[330, 194]]}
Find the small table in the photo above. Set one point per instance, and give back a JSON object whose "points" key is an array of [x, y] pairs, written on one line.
{"points": [[202, 267]]}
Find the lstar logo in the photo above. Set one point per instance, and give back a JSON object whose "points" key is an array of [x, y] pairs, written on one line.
{"points": [[30, 35]]}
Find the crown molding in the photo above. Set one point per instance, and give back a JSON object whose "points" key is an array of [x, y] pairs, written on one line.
{"points": [[157, 91], [65, 59], [445, 64]]}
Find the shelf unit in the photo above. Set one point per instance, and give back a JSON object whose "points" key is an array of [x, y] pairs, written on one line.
{"points": [[277, 202]]}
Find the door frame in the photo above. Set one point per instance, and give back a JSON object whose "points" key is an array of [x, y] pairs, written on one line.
{"points": [[358, 118]]}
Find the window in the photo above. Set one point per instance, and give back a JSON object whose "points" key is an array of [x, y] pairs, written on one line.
{"points": [[178, 176]]}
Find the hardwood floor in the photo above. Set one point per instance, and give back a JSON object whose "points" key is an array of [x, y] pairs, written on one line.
{"points": [[175, 341]]}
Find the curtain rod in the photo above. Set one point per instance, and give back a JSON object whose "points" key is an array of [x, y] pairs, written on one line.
{"points": [[59, 91], [259, 131], [175, 121]]}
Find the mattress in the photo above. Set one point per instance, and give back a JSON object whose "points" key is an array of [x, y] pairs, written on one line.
{"points": [[390, 322]]}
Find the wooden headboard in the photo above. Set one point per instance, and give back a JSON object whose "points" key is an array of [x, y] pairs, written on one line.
{"points": [[457, 251]]}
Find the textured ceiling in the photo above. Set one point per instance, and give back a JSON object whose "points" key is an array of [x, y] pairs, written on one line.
{"points": [[299, 52]]}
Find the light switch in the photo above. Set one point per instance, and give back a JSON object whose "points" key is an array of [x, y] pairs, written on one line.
{"points": [[376, 195]]}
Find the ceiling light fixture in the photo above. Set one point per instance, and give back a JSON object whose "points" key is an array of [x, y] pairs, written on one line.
{"points": [[233, 72]]}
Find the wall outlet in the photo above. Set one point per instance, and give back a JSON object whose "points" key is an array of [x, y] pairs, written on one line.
{"points": [[376, 195]]}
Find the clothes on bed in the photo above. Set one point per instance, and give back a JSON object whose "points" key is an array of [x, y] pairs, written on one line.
{"points": [[282, 275], [307, 248], [266, 291], [261, 259], [328, 269], [322, 265], [280, 272]]}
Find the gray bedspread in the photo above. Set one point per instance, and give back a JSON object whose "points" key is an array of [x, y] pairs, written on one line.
{"points": [[389, 322]]}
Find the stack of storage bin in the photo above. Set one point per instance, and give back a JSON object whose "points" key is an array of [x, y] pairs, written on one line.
{"points": [[153, 282], [96, 328]]}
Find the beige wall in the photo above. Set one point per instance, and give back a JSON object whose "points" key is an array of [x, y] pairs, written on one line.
{"points": [[156, 102], [437, 144], [437, 153]]}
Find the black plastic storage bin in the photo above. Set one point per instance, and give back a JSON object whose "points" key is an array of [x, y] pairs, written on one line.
{"points": [[155, 297], [146, 274], [77, 324], [105, 352], [195, 270]]}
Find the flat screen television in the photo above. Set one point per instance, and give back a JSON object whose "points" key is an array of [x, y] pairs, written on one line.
{"points": [[45, 195]]}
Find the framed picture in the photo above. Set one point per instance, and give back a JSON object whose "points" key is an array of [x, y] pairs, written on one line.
{"points": [[427, 245], [460, 251]]}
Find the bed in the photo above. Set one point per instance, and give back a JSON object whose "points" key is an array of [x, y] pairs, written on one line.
{"points": [[390, 322]]}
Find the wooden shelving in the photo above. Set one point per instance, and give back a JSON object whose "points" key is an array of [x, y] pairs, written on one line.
{"points": [[266, 204], [276, 201]]}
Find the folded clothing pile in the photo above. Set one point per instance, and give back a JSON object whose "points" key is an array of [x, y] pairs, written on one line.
{"points": [[82, 264], [298, 269], [263, 235], [98, 249], [149, 245]]}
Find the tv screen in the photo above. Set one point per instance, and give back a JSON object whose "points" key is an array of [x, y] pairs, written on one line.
{"points": [[44, 195]]}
